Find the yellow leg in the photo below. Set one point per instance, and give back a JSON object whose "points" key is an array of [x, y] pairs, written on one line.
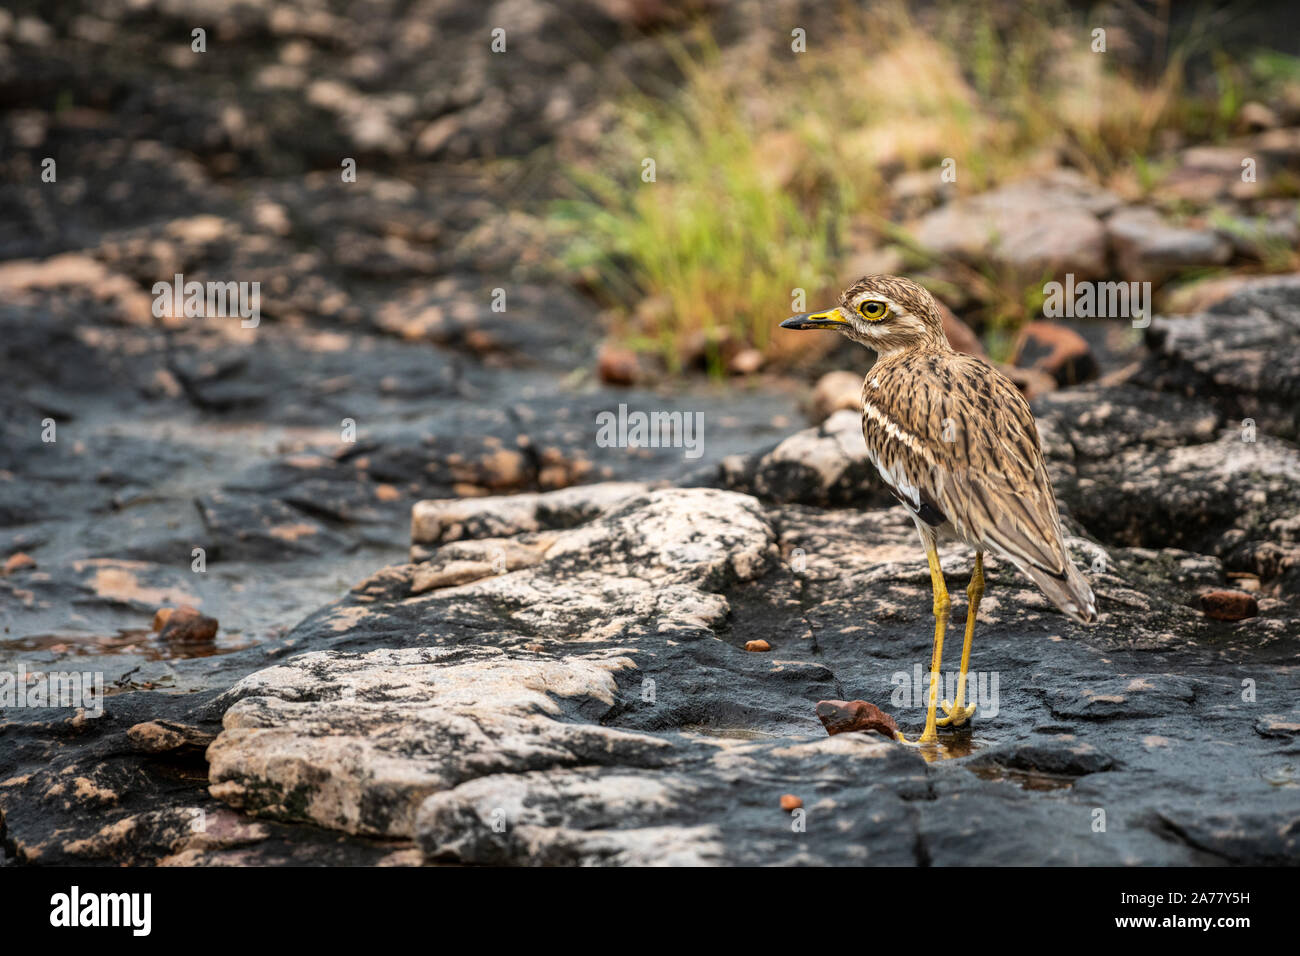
{"points": [[941, 608], [959, 712]]}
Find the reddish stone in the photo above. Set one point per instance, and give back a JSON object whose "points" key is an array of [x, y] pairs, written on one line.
{"points": [[960, 335], [835, 391], [1031, 382], [1228, 605], [842, 716], [618, 366], [790, 803], [19, 562], [757, 646], [185, 625], [1057, 351]]}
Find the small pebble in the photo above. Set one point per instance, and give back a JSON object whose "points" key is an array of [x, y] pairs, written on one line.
{"points": [[617, 365], [1224, 605], [745, 362], [757, 646], [185, 624], [19, 562], [1244, 581], [790, 803]]}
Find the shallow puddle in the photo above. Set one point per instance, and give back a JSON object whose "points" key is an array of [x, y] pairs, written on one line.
{"points": [[141, 643], [1024, 779], [949, 747], [1286, 775], [727, 733]]}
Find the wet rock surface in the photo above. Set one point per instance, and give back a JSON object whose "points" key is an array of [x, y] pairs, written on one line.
{"points": [[559, 677], [257, 473], [453, 627]]}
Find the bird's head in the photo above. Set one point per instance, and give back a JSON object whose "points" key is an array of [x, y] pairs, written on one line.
{"points": [[885, 313]]}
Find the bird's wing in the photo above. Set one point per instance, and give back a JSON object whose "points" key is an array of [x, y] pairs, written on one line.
{"points": [[957, 442]]}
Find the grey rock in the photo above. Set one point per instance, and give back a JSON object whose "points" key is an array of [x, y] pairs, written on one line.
{"points": [[645, 727], [1150, 249], [355, 742], [1046, 223], [440, 521], [1238, 355], [823, 465]]}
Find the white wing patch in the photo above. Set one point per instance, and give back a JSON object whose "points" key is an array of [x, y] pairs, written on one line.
{"points": [[896, 477], [914, 444]]}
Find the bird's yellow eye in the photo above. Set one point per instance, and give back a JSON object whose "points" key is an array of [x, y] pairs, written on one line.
{"points": [[873, 310]]}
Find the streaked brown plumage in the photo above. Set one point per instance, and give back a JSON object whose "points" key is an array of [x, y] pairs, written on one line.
{"points": [[984, 480], [957, 444]]}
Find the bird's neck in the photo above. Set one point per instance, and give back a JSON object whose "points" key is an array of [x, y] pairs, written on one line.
{"points": [[927, 346]]}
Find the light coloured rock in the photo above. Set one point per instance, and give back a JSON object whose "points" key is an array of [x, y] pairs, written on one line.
{"points": [[536, 817], [1045, 223], [1207, 173], [441, 520], [465, 561], [356, 742], [835, 391], [160, 736], [662, 558], [21, 277], [1256, 115], [828, 463], [839, 444]]}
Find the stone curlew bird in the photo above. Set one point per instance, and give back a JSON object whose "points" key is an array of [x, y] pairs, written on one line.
{"points": [[956, 443]]}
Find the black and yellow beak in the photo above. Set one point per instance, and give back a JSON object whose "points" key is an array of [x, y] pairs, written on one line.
{"points": [[830, 319]]}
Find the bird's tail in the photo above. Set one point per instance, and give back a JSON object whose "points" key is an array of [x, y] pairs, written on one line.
{"points": [[1072, 594]]}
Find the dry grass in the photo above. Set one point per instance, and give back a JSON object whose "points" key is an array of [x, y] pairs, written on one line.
{"points": [[770, 171]]}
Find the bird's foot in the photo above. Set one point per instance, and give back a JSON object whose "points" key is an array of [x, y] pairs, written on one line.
{"points": [[956, 716], [927, 739]]}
